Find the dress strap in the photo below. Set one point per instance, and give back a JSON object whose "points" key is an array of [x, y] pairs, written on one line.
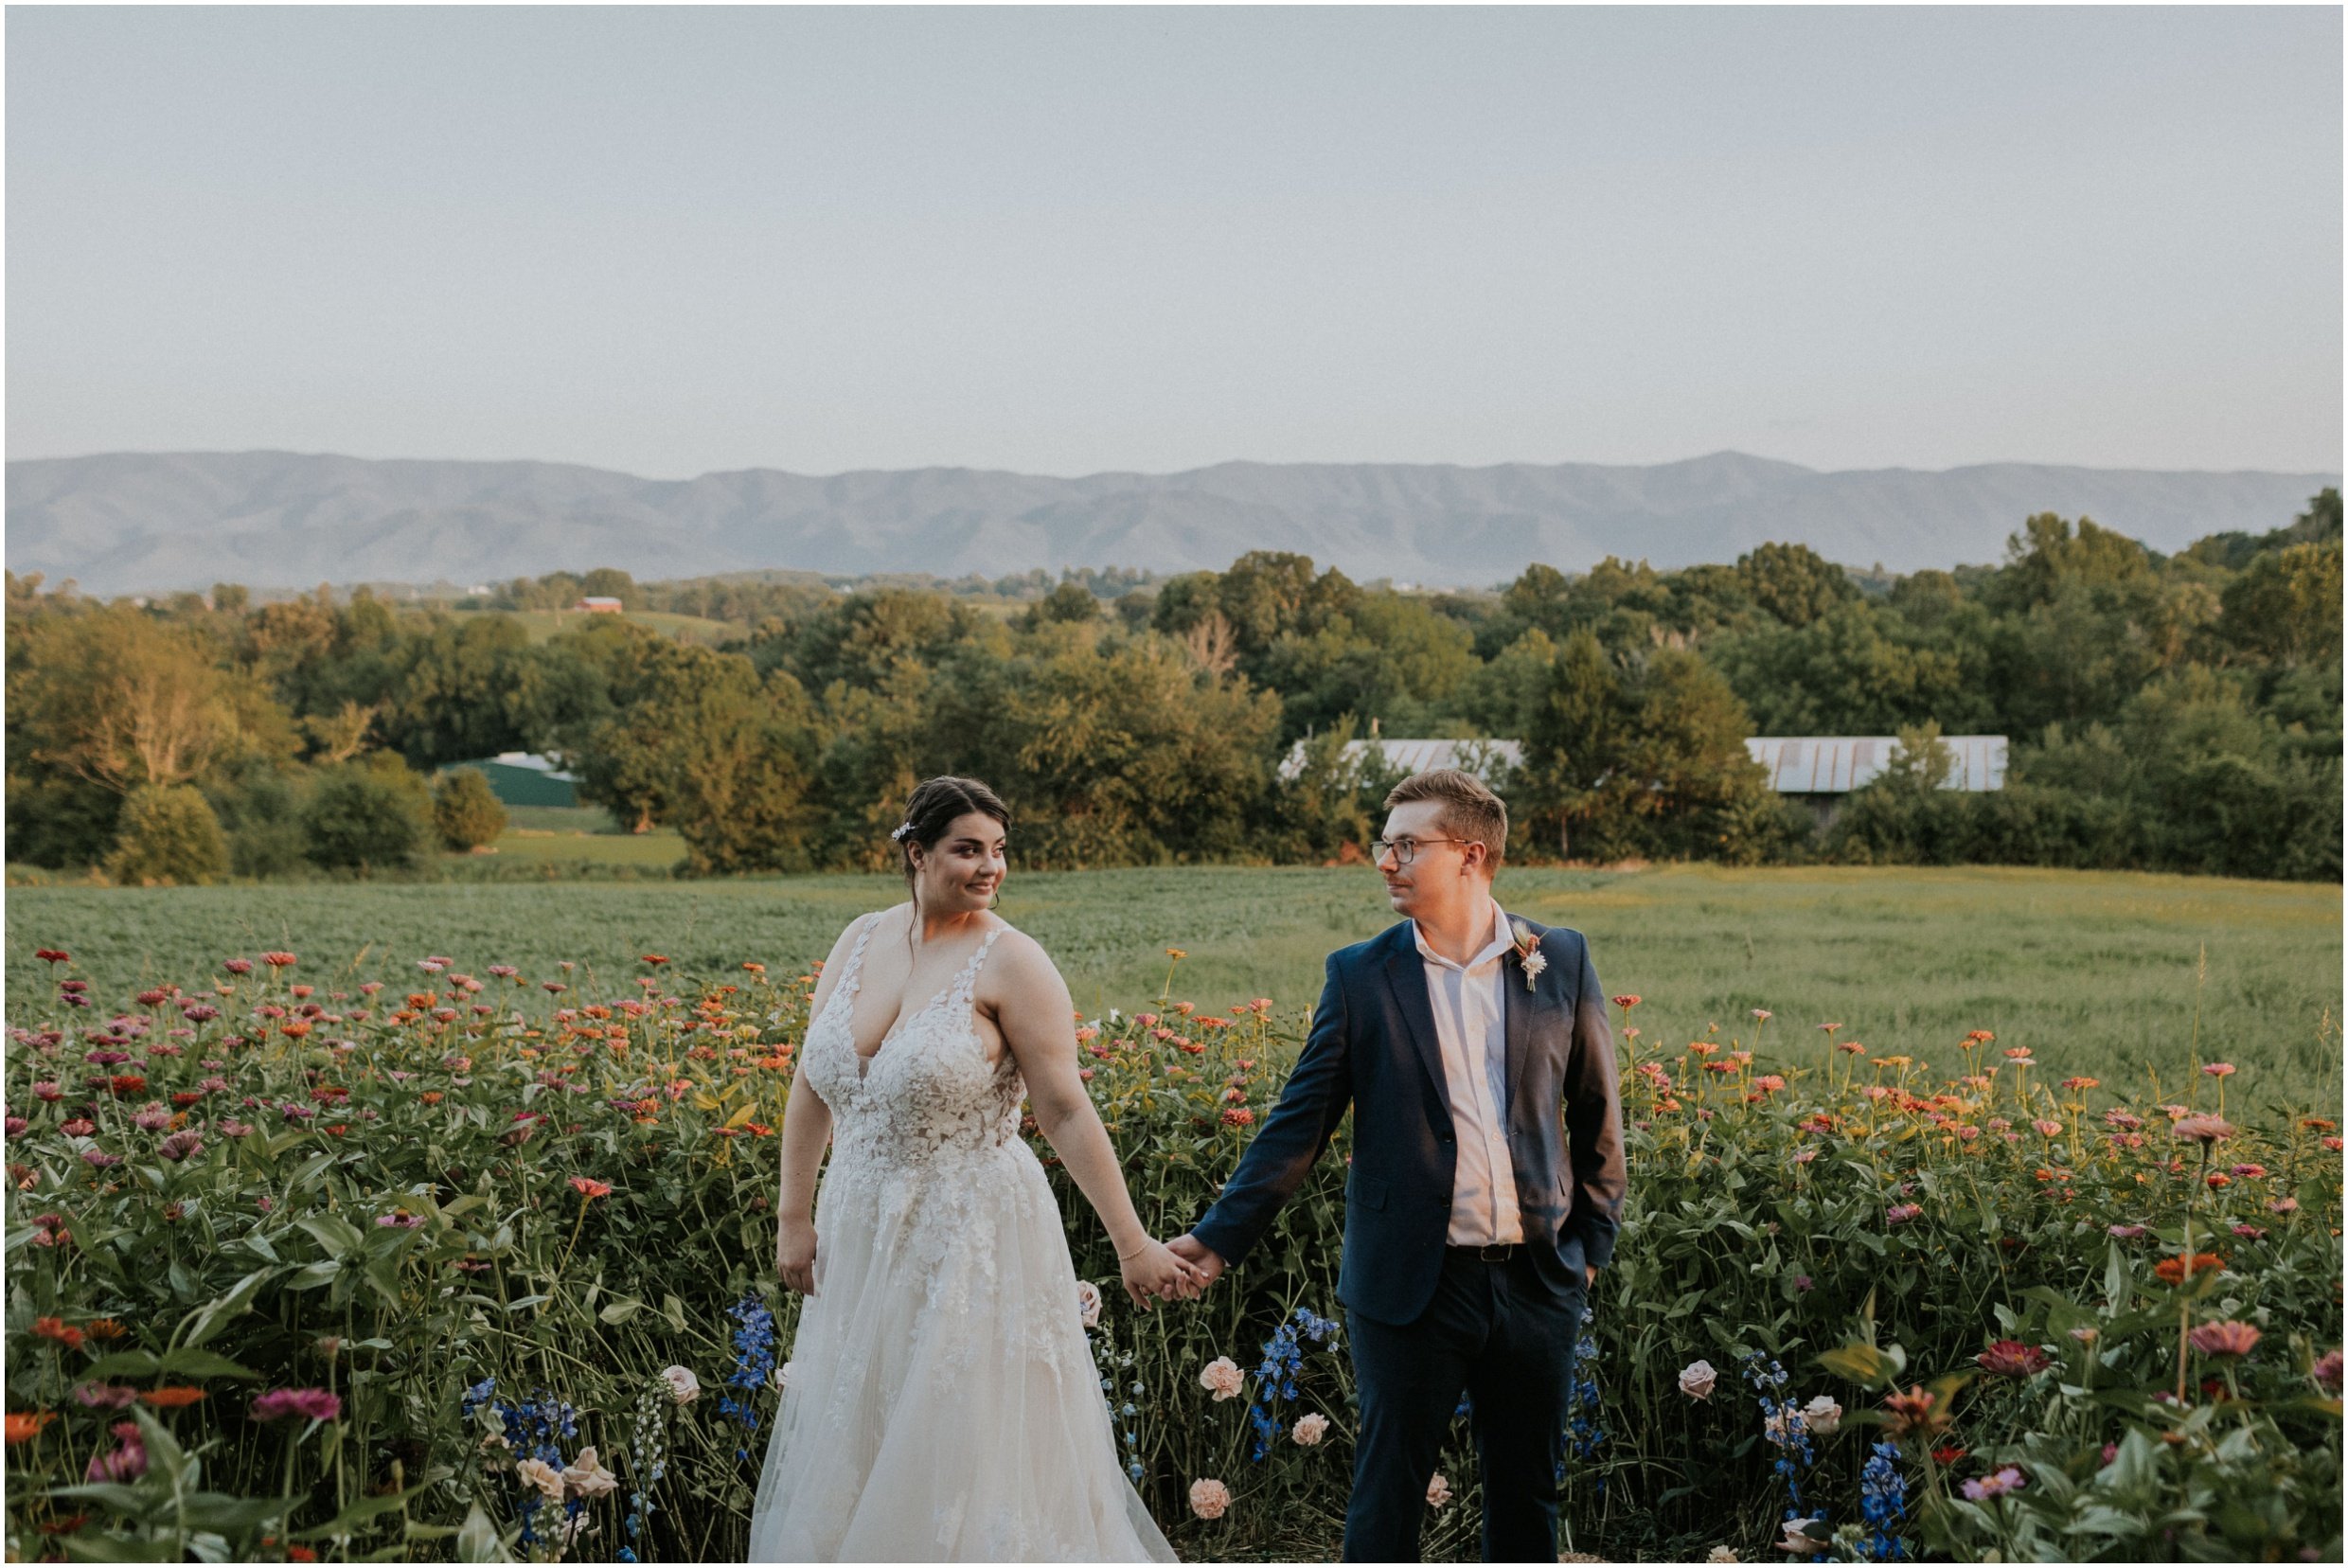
{"points": [[855, 966], [967, 982]]}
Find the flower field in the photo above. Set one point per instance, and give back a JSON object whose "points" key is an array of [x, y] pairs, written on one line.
{"points": [[480, 1265]]}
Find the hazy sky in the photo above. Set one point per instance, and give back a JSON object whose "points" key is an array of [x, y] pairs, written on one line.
{"points": [[676, 241]]}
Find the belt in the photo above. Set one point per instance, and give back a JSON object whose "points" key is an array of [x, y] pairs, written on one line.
{"points": [[1490, 1252]]}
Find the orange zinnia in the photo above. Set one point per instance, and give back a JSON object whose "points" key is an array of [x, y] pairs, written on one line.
{"points": [[27, 1424], [50, 1328], [106, 1328], [171, 1398], [588, 1187], [2173, 1269]]}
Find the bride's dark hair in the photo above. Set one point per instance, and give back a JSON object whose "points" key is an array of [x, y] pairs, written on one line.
{"points": [[933, 808]]}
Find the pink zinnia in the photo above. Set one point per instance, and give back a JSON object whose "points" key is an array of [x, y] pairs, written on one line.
{"points": [[316, 1404], [2203, 1130], [2225, 1339], [1899, 1214], [2219, 1069]]}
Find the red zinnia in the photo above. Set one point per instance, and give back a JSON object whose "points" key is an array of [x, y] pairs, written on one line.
{"points": [[2012, 1358], [587, 1188]]}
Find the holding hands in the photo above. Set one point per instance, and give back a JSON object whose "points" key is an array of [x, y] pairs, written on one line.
{"points": [[1154, 1272]]}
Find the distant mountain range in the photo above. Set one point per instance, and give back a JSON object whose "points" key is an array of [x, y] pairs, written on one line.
{"points": [[136, 523]]}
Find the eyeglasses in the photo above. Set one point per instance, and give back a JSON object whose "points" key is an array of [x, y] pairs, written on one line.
{"points": [[1403, 848]]}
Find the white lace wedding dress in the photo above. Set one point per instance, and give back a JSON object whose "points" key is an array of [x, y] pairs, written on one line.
{"points": [[943, 1404]]}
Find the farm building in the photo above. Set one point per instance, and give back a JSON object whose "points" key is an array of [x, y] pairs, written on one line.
{"points": [[1818, 771], [1821, 771], [1489, 761], [597, 604], [526, 778]]}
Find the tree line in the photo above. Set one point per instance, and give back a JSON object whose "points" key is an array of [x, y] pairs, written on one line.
{"points": [[2177, 712]]}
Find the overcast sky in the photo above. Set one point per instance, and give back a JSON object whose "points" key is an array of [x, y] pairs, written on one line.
{"points": [[676, 240]]}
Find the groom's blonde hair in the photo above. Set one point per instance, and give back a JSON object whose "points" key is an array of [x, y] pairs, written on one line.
{"points": [[1470, 810]]}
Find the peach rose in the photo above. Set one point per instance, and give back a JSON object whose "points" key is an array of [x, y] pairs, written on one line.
{"points": [[1222, 1376], [1310, 1430], [1438, 1491], [537, 1472]]}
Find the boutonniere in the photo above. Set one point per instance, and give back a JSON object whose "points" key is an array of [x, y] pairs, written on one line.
{"points": [[1528, 952]]}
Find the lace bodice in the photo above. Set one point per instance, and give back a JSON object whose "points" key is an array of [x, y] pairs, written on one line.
{"points": [[928, 1090]]}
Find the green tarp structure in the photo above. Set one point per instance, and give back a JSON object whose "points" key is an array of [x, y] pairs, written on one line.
{"points": [[524, 779]]}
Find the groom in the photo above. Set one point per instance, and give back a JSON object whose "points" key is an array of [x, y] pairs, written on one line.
{"points": [[1487, 1174]]}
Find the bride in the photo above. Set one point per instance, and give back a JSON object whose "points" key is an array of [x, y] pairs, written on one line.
{"points": [[943, 1403]]}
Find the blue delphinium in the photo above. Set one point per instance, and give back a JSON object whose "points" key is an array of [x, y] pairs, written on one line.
{"points": [[754, 1362], [530, 1429], [1276, 1379], [1884, 1503], [1123, 1413], [1785, 1426], [647, 1462], [1582, 1429]]}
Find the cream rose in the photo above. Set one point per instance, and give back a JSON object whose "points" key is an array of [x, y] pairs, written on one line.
{"points": [[1697, 1379], [586, 1477], [684, 1387], [1221, 1376], [1310, 1430], [1209, 1498]]}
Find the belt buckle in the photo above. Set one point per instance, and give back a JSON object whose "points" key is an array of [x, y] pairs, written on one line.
{"points": [[1493, 1252]]}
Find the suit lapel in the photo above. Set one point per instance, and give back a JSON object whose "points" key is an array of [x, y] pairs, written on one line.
{"points": [[1518, 1009], [1407, 977]]}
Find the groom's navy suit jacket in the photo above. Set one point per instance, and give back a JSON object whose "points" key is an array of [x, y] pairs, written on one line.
{"points": [[1373, 1049]]}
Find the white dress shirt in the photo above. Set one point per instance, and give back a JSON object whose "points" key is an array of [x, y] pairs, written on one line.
{"points": [[1470, 1006]]}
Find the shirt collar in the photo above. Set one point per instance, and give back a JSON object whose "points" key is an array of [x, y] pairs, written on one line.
{"points": [[1501, 942]]}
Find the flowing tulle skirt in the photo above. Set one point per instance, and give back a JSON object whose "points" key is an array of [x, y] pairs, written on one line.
{"points": [[943, 1403]]}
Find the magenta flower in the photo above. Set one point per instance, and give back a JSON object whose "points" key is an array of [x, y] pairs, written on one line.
{"points": [[1899, 1214], [316, 1404], [99, 1396], [127, 1463]]}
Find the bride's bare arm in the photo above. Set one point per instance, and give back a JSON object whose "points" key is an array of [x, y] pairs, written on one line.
{"points": [[807, 1128], [1032, 1006]]}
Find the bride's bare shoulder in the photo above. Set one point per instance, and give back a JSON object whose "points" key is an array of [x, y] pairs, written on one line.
{"points": [[1019, 959]]}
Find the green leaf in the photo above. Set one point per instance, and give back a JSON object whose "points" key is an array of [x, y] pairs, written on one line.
{"points": [[337, 1235], [1863, 1364], [191, 1363], [114, 1494], [215, 1314], [620, 1308], [124, 1363], [348, 1522], [220, 1511]]}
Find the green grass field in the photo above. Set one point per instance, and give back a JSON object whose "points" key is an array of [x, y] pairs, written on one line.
{"points": [[2097, 972]]}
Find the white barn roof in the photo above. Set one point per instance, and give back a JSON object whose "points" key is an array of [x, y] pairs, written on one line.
{"points": [[1837, 764], [1481, 758]]}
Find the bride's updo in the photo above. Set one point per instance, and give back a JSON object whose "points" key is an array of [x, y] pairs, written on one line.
{"points": [[933, 808]]}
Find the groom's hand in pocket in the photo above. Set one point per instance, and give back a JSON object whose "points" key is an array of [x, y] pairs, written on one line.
{"points": [[1202, 1257], [794, 1255]]}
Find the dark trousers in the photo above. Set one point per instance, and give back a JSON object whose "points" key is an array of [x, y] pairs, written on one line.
{"points": [[1497, 1332]]}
